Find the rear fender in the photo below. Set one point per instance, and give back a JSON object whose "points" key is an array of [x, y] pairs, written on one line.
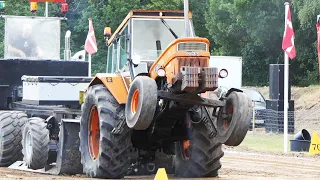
{"points": [[232, 90], [114, 83]]}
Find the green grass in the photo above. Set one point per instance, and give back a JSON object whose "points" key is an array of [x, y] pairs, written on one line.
{"points": [[264, 142]]}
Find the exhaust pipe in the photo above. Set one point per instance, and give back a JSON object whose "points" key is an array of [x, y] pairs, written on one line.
{"points": [[67, 51]]}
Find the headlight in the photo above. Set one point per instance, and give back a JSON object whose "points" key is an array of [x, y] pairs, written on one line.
{"points": [[161, 72], [223, 73]]}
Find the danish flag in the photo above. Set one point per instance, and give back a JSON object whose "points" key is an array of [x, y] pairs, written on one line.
{"points": [[288, 37], [91, 44]]}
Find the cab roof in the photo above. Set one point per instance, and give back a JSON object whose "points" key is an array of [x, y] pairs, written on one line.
{"points": [[151, 14]]}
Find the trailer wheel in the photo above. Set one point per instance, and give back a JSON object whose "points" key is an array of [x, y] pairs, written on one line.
{"points": [[200, 155], [141, 103], [11, 125], [104, 153], [232, 130], [35, 142]]}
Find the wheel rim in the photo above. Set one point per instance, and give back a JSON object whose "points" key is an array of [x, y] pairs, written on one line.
{"points": [[28, 145], [94, 133], [227, 121], [135, 101], [185, 149], [185, 144]]}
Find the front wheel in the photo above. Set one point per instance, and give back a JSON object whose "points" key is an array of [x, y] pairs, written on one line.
{"points": [[141, 103], [233, 124]]}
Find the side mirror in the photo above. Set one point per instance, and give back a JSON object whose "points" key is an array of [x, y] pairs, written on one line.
{"points": [[136, 59], [107, 32]]}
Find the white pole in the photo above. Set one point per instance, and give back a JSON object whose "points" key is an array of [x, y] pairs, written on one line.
{"points": [[286, 87], [286, 99], [89, 70], [47, 14], [186, 17], [253, 118]]}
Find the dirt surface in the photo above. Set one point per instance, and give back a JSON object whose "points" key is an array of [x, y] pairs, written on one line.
{"points": [[235, 165]]}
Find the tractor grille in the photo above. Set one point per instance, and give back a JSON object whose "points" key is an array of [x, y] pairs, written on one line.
{"points": [[192, 46]]}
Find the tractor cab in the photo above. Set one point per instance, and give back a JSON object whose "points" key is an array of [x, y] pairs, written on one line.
{"points": [[142, 37]]}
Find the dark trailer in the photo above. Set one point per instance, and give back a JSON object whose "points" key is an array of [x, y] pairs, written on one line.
{"points": [[39, 96]]}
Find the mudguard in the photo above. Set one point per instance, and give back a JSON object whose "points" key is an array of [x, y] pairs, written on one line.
{"points": [[69, 157], [114, 83], [231, 90]]}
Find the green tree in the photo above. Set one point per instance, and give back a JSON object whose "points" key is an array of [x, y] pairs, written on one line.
{"points": [[254, 30]]}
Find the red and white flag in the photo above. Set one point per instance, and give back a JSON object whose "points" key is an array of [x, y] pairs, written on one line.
{"points": [[91, 44], [288, 37]]}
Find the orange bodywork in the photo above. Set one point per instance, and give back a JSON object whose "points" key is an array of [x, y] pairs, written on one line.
{"points": [[172, 59], [114, 84]]}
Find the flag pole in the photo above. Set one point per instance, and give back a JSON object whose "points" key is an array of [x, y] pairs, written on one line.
{"points": [[286, 87], [318, 46], [89, 66]]}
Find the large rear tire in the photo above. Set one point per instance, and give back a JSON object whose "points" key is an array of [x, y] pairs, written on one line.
{"points": [[11, 125], [103, 154], [35, 143], [199, 156]]}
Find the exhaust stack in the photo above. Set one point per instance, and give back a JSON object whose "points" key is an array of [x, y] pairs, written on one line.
{"points": [[67, 51]]}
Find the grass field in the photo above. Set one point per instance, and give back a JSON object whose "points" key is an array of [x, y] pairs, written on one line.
{"points": [[264, 142]]}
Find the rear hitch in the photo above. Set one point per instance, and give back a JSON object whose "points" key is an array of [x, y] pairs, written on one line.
{"points": [[151, 167]]}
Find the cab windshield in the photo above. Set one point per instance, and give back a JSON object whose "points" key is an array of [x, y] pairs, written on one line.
{"points": [[148, 34]]}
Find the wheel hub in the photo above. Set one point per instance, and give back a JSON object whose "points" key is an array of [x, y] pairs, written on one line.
{"points": [[135, 101], [185, 150], [94, 133], [228, 119], [28, 145]]}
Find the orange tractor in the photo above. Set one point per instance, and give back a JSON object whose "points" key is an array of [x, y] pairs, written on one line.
{"points": [[154, 99]]}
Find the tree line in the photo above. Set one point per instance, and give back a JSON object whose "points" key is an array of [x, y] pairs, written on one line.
{"points": [[252, 29]]}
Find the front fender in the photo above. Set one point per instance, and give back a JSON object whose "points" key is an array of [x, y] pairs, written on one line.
{"points": [[114, 83], [231, 90]]}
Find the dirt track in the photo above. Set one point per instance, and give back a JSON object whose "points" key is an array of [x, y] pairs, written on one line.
{"points": [[235, 165]]}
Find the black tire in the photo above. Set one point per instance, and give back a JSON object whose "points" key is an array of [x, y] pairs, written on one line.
{"points": [[11, 125], [112, 160], [204, 153], [233, 132], [147, 103], [35, 142]]}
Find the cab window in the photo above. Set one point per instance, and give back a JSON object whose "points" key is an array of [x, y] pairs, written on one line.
{"points": [[123, 47]]}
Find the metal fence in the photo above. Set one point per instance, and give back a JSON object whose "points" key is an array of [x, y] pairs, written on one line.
{"points": [[273, 121]]}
